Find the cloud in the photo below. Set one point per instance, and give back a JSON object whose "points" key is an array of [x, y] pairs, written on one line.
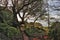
{"points": [[54, 4]]}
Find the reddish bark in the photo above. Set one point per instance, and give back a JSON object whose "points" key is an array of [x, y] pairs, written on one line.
{"points": [[36, 39], [25, 37]]}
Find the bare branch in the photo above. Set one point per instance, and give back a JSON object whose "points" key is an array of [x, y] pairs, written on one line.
{"points": [[4, 4], [38, 17], [24, 6]]}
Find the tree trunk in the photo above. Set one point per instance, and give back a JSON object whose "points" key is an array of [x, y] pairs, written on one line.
{"points": [[24, 35]]}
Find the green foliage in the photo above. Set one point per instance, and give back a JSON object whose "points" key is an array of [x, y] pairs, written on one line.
{"points": [[35, 32], [6, 27], [6, 16], [55, 30], [8, 30]]}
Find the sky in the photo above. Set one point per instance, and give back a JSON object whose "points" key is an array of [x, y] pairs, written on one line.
{"points": [[53, 4], [52, 12]]}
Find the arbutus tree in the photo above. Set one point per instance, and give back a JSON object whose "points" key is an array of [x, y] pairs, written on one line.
{"points": [[27, 7], [24, 7]]}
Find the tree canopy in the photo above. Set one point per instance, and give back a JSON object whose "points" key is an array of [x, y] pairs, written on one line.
{"points": [[24, 7]]}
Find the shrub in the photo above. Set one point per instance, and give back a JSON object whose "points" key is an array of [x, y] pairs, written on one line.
{"points": [[34, 32], [8, 30]]}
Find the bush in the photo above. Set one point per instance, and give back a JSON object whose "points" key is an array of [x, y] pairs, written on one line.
{"points": [[35, 32], [8, 30]]}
